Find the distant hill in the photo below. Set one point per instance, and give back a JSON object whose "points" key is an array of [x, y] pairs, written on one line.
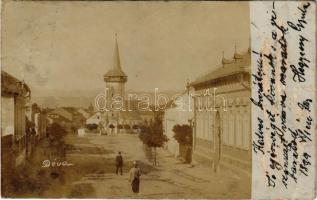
{"points": [[53, 101], [85, 98]]}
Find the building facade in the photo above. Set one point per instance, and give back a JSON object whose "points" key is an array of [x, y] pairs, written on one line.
{"points": [[94, 119], [40, 121], [15, 95], [222, 130]]}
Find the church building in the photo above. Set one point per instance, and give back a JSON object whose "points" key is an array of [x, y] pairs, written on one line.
{"points": [[118, 117]]}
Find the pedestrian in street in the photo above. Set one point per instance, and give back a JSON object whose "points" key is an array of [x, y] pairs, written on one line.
{"points": [[134, 177], [119, 163]]}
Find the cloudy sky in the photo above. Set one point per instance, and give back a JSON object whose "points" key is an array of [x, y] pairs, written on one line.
{"points": [[68, 46]]}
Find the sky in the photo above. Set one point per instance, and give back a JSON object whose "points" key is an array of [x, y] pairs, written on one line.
{"points": [[68, 46]]}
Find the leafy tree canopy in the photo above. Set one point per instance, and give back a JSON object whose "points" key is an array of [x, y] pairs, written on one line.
{"points": [[56, 131], [111, 126], [153, 135], [183, 134]]}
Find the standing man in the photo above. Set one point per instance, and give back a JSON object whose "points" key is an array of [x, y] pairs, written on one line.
{"points": [[134, 177], [119, 163]]}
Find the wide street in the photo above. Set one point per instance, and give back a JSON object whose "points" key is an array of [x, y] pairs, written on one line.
{"points": [[93, 172]]}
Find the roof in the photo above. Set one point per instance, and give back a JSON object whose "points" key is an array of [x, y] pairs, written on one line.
{"points": [[94, 115], [63, 112], [226, 61], [172, 104], [238, 64], [84, 112], [78, 112], [71, 110], [12, 85], [116, 71]]}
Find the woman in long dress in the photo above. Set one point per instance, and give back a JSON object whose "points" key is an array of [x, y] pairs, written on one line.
{"points": [[134, 177]]}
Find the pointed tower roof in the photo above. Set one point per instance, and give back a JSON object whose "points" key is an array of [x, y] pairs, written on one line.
{"points": [[236, 54], [116, 57], [225, 61], [116, 70]]}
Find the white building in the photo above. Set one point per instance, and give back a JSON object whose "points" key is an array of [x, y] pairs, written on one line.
{"points": [[222, 137], [15, 97], [94, 119]]}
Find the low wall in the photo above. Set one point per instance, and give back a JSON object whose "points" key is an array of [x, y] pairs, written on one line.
{"points": [[231, 158]]}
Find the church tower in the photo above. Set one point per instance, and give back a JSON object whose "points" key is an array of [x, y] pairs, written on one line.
{"points": [[115, 78]]}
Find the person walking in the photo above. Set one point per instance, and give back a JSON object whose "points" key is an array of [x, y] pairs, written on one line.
{"points": [[134, 177], [119, 163]]}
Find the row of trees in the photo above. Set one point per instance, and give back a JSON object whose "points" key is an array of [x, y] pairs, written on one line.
{"points": [[152, 136], [119, 126]]}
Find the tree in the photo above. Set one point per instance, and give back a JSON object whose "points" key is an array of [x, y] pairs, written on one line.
{"points": [[183, 134], [126, 126], [153, 135], [91, 126], [111, 126], [56, 132]]}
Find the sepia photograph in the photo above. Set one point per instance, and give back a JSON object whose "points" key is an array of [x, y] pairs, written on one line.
{"points": [[126, 100]]}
